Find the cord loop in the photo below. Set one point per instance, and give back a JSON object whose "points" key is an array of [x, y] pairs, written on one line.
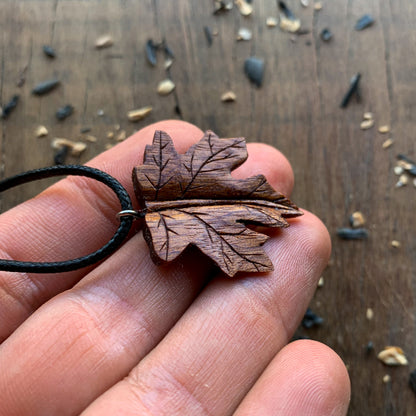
{"points": [[80, 262]]}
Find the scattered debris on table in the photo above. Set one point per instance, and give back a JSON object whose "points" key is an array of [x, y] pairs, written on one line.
{"points": [[45, 86], [289, 25], [408, 164], [9, 107], [384, 129], [104, 41], [41, 131], [90, 138], [304, 3], [398, 170], [353, 89], [165, 87], [403, 181], [121, 136], [76, 148], [387, 143], [271, 21], [311, 319], [364, 22], [395, 243], [151, 49], [392, 355], [357, 219], [208, 35], [244, 34], [288, 21], [49, 51], [60, 155], [244, 7], [318, 6], [369, 314], [228, 97], [139, 114], [368, 121], [222, 5], [352, 233], [369, 348], [366, 124], [326, 35], [254, 69], [404, 168], [64, 112], [412, 381], [22, 77], [386, 378], [321, 281]]}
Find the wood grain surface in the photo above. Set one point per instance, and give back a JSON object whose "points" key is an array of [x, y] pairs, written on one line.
{"points": [[338, 167]]}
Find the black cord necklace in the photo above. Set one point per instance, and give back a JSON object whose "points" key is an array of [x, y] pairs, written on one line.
{"points": [[126, 216]]}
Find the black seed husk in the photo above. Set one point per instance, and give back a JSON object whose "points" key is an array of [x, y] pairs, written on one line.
{"points": [[22, 77], [326, 35], [311, 319], [364, 22], [60, 156], [369, 348], [254, 69], [64, 112], [208, 35], [45, 87], [178, 110], [168, 51], [352, 233], [286, 11], [401, 156], [410, 170], [354, 83], [85, 130], [49, 51], [412, 381], [10, 106], [151, 49]]}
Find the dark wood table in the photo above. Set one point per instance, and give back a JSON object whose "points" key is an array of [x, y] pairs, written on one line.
{"points": [[339, 168]]}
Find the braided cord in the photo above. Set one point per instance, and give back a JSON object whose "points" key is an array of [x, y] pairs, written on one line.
{"points": [[80, 262]]}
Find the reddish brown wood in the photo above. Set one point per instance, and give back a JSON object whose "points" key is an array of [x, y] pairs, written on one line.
{"points": [[193, 199]]}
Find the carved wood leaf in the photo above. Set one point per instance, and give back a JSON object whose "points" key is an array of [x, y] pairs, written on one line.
{"points": [[193, 199]]}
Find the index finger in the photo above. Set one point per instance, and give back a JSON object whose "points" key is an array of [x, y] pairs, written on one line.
{"points": [[70, 219]]}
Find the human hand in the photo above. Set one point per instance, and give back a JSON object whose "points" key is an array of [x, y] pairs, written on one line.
{"points": [[127, 337]]}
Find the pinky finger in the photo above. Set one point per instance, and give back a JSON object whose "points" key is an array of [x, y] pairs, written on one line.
{"points": [[305, 378]]}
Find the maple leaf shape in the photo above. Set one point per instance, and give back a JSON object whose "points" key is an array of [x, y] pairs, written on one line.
{"points": [[192, 199]]}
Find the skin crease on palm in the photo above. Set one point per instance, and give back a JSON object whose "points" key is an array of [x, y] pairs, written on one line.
{"points": [[126, 337]]}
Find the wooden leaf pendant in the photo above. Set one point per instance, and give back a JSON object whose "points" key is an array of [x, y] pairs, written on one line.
{"points": [[193, 199]]}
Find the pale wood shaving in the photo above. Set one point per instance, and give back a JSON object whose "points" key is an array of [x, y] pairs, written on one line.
{"points": [[104, 41], [392, 355], [41, 131], [139, 114]]}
